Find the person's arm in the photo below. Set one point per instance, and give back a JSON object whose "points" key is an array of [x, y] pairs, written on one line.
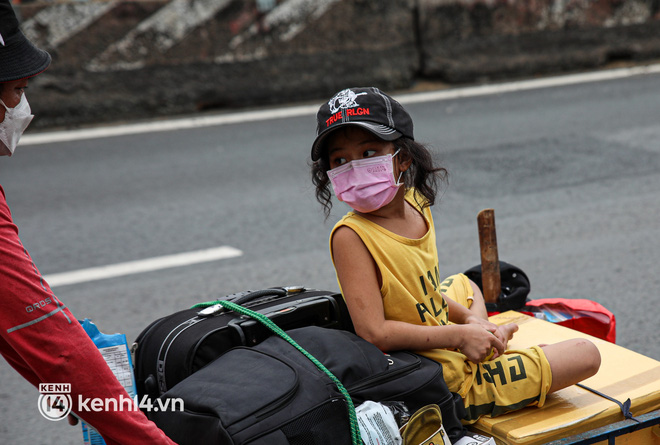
{"points": [[43, 341], [359, 278]]}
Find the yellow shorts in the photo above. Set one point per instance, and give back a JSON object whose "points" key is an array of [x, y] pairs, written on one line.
{"points": [[512, 381], [458, 288]]}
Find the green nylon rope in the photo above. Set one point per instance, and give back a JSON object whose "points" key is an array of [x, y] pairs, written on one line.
{"points": [[206, 304], [355, 431]]}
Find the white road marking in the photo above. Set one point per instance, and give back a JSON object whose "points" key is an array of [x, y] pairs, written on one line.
{"points": [[533, 84], [141, 266], [305, 110], [167, 125]]}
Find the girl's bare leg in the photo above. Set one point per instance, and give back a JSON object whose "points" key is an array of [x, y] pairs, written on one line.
{"points": [[571, 361]]}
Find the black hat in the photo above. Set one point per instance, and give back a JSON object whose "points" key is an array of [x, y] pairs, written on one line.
{"points": [[369, 108], [19, 58]]}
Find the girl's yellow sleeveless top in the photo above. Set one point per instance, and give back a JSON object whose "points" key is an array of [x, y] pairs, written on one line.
{"points": [[408, 267]]}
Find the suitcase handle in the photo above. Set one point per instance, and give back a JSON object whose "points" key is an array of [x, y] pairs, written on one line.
{"points": [[212, 308], [276, 291]]}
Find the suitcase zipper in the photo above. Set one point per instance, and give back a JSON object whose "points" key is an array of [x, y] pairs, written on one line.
{"points": [[162, 354], [286, 398], [385, 376], [439, 403], [449, 398]]}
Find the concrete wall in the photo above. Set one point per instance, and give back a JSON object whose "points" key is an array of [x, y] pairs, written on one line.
{"points": [[470, 40], [122, 60]]}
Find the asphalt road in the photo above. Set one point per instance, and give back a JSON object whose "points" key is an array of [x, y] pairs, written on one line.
{"points": [[571, 171]]}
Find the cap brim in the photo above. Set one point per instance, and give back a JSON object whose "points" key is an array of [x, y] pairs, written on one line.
{"points": [[382, 131]]}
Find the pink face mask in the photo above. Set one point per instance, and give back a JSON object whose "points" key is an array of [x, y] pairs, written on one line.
{"points": [[365, 184]]}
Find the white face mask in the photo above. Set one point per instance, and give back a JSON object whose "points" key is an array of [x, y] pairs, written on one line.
{"points": [[16, 121]]}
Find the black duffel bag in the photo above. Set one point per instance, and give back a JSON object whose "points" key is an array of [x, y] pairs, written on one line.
{"points": [[272, 394]]}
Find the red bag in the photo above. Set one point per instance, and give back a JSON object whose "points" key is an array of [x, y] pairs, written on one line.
{"points": [[582, 315]]}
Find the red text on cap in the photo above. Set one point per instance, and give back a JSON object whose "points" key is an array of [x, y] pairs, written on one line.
{"points": [[349, 112]]}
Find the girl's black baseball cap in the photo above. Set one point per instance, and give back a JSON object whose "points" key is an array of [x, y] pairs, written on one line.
{"points": [[369, 108]]}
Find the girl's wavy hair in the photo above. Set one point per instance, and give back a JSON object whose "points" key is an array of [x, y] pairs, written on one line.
{"points": [[423, 175]]}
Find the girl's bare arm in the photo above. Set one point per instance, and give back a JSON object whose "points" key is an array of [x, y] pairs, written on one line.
{"points": [[359, 278]]}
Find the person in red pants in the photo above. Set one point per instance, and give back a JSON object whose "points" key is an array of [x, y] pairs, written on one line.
{"points": [[39, 336]]}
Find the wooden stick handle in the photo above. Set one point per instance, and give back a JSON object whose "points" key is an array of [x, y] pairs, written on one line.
{"points": [[490, 263]]}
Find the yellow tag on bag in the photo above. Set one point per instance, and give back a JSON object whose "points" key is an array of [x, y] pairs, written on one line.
{"points": [[425, 428]]}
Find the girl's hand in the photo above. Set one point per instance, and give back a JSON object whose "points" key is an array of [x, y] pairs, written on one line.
{"points": [[504, 333], [477, 342], [473, 319]]}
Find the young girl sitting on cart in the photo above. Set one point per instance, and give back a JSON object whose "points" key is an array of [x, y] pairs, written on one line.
{"points": [[385, 257]]}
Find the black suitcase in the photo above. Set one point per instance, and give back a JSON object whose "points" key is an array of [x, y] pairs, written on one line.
{"points": [[176, 346]]}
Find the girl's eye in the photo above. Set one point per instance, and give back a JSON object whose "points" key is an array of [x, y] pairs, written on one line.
{"points": [[338, 161], [368, 153]]}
